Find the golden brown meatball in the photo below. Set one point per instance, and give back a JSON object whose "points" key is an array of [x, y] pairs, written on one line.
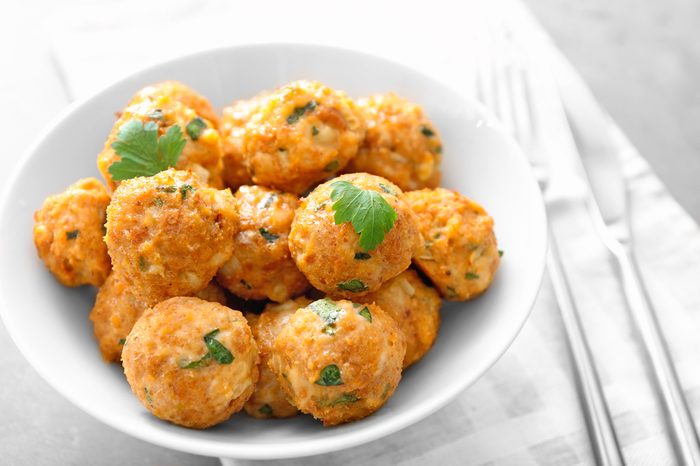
{"points": [[232, 128], [330, 255], [114, 314], [68, 231], [261, 266], [167, 104], [339, 361], [300, 134], [191, 362], [460, 254], [269, 400], [168, 234], [415, 307], [401, 145]]}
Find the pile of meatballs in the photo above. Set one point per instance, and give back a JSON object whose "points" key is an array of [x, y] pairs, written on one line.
{"points": [[245, 220]]}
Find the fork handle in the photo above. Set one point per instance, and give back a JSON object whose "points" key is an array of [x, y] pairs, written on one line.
{"points": [[606, 448], [683, 433]]}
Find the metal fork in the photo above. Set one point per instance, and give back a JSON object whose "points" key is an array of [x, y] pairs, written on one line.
{"points": [[505, 84]]}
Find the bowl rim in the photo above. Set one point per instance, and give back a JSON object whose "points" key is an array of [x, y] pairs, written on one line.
{"points": [[279, 450]]}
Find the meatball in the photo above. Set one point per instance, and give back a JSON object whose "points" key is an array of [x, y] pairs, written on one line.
{"points": [[114, 314], [232, 128], [168, 234], [300, 134], [460, 254], [191, 362], [415, 307], [261, 266], [401, 145], [68, 231], [269, 400], [339, 361], [330, 255], [168, 104]]}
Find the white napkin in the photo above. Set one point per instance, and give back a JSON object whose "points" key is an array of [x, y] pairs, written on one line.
{"points": [[525, 410]]}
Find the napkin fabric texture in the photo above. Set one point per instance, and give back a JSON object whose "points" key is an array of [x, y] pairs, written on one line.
{"points": [[525, 410]]}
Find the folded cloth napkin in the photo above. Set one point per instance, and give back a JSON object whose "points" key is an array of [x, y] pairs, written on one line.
{"points": [[525, 410]]}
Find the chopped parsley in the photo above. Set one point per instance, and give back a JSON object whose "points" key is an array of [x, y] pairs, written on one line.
{"points": [[387, 189], [353, 285], [148, 396], [471, 276], [366, 314], [500, 253], [269, 199], [329, 312], [265, 409], [314, 131], [122, 341], [269, 237], [362, 256], [330, 375], [195, 127], [143, 265], [72, 234], [300, 111], [158, 202], [331, 167], [342, 399], [215, 351], [427, 132], [184, 189], [142, 152], [167, 189], [369, 213]]}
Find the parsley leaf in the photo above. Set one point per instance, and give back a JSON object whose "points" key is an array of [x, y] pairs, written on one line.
{"points": [[342, 399], [353, 285], [366, 314], [72, 234], [362, 256], [330, 375], [329, 311], [427, 132], [265, 409], [471, 276], [216, 351], [300, 111], [370, 214], [142, 152], [332, 166], [195, 127], [269, 237]]}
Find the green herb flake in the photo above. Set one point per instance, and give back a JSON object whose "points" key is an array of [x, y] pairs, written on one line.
{"points": [[148, 396], [158, 202], [142, 152], [300, 111], [122, 341], [385, 392], [438, 150], [342, 399], [329, 312], [195, 127], [269, 237], [427, 132], [362, 256], [265, 409], [500, 253], [215, 351], [387, 189], [451, 292], [167, 189], [354, 286], [369, 213], [314, 131], [330, 375], [246, 285], [366, 314], [143, 265], [72, 234], [269, 199], [471, 276], [156, 114], [331, 167], [184, 189]]}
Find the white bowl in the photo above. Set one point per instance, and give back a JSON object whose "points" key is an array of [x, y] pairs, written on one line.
{"points": [[49, 323]]}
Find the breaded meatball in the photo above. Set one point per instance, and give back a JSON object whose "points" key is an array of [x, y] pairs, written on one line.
{"points": [[339, 361], [330, 255], [300, 134], [214, 293], [68, 234], [232, 128], [269, 400], [167, 104], [168, 234], [114, 314], [415, 307], [261, 266], [401, 144], [191, 362], [460, 254]]}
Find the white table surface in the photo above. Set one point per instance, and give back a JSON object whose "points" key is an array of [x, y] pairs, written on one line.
{"points": [[639, 59]]}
